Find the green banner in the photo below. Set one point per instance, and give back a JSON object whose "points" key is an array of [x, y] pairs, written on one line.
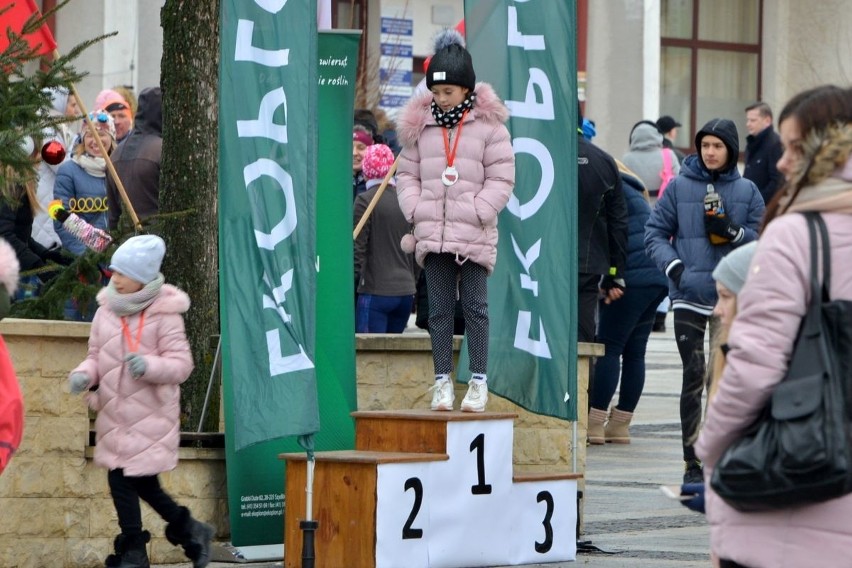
{"points": [[527, 52], [335, 298], [267, 250]]}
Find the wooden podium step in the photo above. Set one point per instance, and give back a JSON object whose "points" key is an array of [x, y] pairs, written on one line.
{"points": [[432, 490]]}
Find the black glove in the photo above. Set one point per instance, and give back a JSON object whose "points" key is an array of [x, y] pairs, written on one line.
{"points": [[696, 503], [723, 228], [675, 273], [58, 257], [608, 282]]}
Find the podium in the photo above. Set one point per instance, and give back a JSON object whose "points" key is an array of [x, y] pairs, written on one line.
{"points": [[432, 490]]}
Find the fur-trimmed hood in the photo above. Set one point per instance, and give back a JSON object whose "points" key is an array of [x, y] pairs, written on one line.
{"points": [[417, 114], [9, 267]]}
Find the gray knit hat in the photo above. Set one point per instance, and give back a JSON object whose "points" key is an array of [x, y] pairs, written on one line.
{"points": [[732, 270]]}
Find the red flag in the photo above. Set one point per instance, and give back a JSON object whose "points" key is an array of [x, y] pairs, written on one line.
{"points": [[16, 14]]}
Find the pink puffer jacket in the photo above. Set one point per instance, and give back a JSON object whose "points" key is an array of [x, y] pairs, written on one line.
{"points": [[138, 423], [771, 307], [462, 218]]}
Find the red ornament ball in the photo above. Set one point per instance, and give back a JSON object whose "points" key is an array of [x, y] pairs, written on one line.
{"points": [[53, 152]]}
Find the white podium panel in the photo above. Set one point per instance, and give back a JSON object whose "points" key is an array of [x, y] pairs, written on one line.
{"points": [[461, 509], [544, 521]]}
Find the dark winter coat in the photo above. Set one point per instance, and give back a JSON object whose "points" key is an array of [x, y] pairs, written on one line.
{"points": [[381, 266], [675, 230], [641, 270], [762, 154], [137, 160], [16, 227], [602, 212]]}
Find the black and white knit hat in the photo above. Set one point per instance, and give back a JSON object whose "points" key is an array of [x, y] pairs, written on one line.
{"points": [[451, 64]]}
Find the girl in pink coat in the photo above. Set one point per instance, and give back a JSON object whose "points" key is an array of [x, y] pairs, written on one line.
{"points": [[816, 131], [138, 357], [456, 173]]}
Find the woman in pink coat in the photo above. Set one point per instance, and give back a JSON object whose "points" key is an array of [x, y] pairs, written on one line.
{"points": [[138, 357], [456, 173], [816, 130]]}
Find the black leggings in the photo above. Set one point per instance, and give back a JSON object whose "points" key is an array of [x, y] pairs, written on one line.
{"points": [[126, 492], [689, 328], [730, 564], [443, 276]]}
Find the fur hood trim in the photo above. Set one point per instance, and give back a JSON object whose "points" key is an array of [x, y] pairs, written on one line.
{"points": [[417, 114], [9, 267]]}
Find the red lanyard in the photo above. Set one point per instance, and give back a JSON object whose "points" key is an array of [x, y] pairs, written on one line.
{"points": [[133, 346], [451, 155]]}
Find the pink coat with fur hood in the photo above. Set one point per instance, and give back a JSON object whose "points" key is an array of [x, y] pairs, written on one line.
{"points": [[462, 218], [138, 423], [771, 306]]}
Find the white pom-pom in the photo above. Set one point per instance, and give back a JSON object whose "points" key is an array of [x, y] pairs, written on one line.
{"points": [[408, 243]]}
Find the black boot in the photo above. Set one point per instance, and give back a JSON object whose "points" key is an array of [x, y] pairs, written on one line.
{"points": [[130, 551], [193, 536]]}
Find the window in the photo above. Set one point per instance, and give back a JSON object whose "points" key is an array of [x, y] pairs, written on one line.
{"points": [[710, 62]]}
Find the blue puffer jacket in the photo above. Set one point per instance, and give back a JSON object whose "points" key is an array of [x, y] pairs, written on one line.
{"points": [[676, 231], [641, 270]]}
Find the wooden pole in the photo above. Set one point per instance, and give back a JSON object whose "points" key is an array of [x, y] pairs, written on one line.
{"points": [[375, 200], [105, 154]]}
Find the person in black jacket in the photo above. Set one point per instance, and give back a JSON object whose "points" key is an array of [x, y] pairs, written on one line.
{"points": [[763, 150], [602, 232], [137, 161], [16, 226]]}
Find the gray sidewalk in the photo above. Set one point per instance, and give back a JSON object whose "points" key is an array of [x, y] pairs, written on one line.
{"points": [[625, 512]]}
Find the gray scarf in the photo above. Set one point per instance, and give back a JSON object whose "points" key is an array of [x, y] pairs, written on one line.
{"points": [[135, 302]]}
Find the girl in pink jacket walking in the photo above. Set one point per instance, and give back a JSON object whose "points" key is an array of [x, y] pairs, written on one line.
{"points": [[456, 173], [138, 357]]}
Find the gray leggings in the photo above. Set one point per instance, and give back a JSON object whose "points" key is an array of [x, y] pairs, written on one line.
{"points": [[442, 274]]}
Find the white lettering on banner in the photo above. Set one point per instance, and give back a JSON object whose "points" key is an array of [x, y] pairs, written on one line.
{"points": [[279, 295], [264, 126], [245, 51], [530, 107], [286, 226], [280, 364], [523, 341], [540, 152], [517, 39], [271, 6], [526, 260], [533, 108]]}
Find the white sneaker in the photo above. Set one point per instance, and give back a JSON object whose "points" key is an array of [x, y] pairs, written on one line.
{"points": [[442, 395], [476, 397]]}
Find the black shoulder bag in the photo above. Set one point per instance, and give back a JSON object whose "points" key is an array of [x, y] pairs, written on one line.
{"points": [[798, 451]]}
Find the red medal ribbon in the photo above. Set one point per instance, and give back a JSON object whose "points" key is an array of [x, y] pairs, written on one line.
{"points": [[133, 346], [451, 155]]}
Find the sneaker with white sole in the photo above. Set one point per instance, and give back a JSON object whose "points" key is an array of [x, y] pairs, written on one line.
{"points": [[476, 397], [442, 394]]}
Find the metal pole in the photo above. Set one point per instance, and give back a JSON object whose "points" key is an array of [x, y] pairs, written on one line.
{"points": [[210, 384]]}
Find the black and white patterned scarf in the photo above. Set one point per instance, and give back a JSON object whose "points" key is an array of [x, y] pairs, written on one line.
{"points": [[454, 115]]}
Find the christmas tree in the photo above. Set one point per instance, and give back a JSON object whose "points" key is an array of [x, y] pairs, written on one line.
{"points": [[32, 67]]}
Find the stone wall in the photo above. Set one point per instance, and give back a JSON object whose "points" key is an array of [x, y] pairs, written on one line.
{"points": [[55, 507]]}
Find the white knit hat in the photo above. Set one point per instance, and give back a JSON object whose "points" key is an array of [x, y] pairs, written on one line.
{"points": [[139, 258]]}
